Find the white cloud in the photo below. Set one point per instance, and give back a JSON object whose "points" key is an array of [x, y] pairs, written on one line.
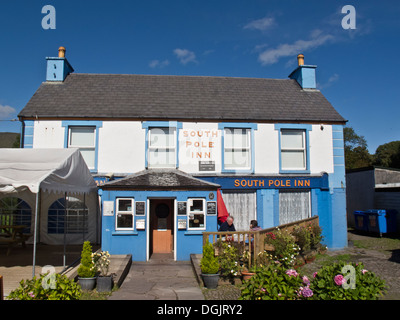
{"points": [[6, 111], [332, 79], [185, 56], [271, 56], [260, 24], [158, 63]]}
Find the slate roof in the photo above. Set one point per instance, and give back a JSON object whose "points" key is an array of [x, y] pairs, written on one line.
{"points": [[158, 97], [160, 179]]}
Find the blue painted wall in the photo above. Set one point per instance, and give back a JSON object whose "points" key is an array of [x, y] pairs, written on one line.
{"points": [[135, 242]]}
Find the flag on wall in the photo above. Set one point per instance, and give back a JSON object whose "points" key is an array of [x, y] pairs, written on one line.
{"points": [[222, 211]]}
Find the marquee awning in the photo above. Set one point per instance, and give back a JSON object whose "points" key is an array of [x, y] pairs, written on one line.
{"points": [[51, 170]]}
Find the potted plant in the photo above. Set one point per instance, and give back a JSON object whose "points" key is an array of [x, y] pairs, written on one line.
{"points": [[209, 267], [102, 264], [87, 270]]}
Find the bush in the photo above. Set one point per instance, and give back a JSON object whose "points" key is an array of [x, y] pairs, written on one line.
{"points": [[275, 282], [87, 268], [59, 288], [286, 249], [229, 260], [328, 283], [209, 262]]}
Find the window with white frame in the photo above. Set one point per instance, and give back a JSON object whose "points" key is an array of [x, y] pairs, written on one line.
{"points": [[84, 138], [293, 149], [196, 214], [162, 147], [124, 214], [237, 149]]}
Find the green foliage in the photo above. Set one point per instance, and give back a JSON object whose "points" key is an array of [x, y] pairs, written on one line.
{"points": [[209, 262], [273, 282], [308, 237], [57, 288], [388, 155], [87, 268], [355, 150], [286, 249], [229, 259], [327, 284]]}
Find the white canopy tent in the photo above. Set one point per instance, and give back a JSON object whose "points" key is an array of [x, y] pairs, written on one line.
{"points": [[37, 175]]}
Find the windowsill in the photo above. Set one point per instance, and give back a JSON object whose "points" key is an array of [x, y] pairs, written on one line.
{"points": [[125, 233], [294, 171], [237, 171], [194, 232]]}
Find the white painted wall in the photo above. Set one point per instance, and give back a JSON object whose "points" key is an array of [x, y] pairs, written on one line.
{"points": [[121, 146], [199, 142], [48, 134], [266, 143], [321, 149]]}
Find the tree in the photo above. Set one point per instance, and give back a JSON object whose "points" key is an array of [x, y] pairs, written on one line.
{"points": [[388, 155], [355, 150]]}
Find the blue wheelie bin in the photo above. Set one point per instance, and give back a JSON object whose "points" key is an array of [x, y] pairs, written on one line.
{"points": [[360, 221], [381, 221]]}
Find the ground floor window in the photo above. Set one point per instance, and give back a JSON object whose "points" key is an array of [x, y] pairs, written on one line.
{"points": [[294, 205], [242, 206], [70, 216], [196, 214], [124, 214], [15, 211]]}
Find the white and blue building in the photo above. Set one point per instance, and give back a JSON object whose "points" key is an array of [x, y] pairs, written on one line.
{"points": [[161, 146]]}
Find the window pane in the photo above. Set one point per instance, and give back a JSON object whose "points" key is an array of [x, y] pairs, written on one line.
{"points": [[293, 160], [162, 158], [125, 205], [292, 139], [124, 221], [89, 156], [197, 205], [293, 206], [237, 158], [162, 137], [196, 220], [82, 137], [237, 138]]}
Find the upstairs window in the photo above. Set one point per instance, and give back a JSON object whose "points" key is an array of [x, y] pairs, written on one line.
{"points": [[162, 147], [237, 149], [293, 149], [84, 138]]}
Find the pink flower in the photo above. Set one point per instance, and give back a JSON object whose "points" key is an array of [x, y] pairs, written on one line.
{"points": [[31, 294], [364, 271], [291, 272], [306, 281], [263, 290], [307, 292], [315, 274], [339, 280]]}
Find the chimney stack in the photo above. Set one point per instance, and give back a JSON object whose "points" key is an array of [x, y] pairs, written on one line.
{"points": [[300, 59], [304, 74], [58, 68], [61, 52]]}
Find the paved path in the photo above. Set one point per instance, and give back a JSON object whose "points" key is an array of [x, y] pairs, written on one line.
{"points": [[160, 278]]}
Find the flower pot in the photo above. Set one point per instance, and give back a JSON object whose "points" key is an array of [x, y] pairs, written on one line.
{"points": [[247, 275], [210, 280], [87, 283], [104, 284]]}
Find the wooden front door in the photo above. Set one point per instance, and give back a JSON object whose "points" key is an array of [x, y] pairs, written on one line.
{"points": [[161, 225]]}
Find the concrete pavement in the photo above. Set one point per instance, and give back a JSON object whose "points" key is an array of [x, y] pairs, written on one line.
{"points": [[161, 278]]}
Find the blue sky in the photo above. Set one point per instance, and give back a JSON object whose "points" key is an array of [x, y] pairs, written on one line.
{"points": [[357, 70]]}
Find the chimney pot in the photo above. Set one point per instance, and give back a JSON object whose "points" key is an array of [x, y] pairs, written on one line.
{"points": [[61, 52], [300, 59]]}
